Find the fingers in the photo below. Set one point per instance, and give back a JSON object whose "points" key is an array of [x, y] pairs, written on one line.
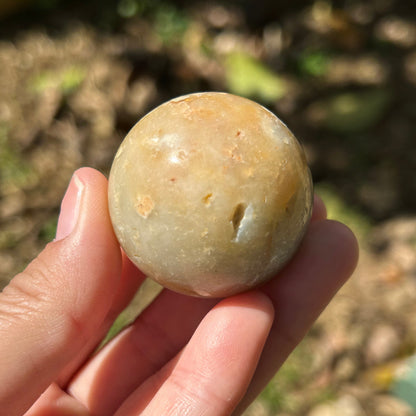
{"points": [[157, 336], [212, 373], [138, 352], [49, 312], [167, 324], [55, 402], [326, 259]]}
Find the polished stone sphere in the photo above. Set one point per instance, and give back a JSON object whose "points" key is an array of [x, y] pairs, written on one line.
{"points": [[210, 194]]}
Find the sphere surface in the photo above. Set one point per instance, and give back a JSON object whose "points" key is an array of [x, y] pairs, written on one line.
{"points": [[210, 194]]}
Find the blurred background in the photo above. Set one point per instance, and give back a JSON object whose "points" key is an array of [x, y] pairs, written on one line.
{"points": [[75, 76]]}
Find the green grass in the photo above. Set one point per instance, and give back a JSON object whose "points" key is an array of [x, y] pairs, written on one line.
{"points": [[249, 77], [15, 172], [171, 23], [8, 239], [130, 8], [339, 210], [313, 63], [48, 231], [65, 80], [280, 395], [353, 112]]}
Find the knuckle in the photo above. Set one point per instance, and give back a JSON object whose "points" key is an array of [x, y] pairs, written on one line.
{"points": [[21, 298], [28, 293]]}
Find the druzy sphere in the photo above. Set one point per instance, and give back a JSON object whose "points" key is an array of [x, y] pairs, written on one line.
{"points": [[210, 194]]}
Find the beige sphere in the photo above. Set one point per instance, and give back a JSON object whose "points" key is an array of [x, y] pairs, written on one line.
{"points": [[210, 194]]}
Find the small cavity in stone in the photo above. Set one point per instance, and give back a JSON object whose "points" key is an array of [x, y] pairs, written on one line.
{"points": [[237, 217], [207, 199]]}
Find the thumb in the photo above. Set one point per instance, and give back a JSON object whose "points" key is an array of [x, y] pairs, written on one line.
{"points": [[50, 310]]}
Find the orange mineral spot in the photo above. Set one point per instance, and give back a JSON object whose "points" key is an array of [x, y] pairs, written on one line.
{"points": [[144, 205]]}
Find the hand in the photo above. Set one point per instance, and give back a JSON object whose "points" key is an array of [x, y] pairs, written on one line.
{"points": [[183, 355]]}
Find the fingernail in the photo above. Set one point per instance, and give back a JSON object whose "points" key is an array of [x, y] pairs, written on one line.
{"points": [[69, 208]]}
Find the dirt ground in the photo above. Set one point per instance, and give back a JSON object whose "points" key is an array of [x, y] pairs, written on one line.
{"points": [[74, 78]]}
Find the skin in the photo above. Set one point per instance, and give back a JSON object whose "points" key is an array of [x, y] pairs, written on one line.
{"points": [[183, 355]]}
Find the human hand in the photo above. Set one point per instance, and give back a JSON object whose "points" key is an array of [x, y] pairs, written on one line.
{"points": [[183, 355]]}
